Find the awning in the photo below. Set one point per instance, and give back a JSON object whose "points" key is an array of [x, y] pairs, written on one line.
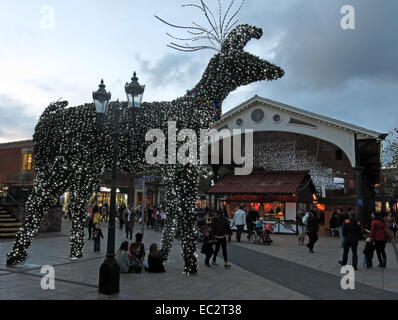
{"points": [[264, 182]]}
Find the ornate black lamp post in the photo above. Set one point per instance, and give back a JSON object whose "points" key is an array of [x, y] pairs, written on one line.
{"points": [[109, 277]]}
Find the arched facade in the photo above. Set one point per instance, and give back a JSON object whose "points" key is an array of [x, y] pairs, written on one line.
{"points": [[343, 159]]}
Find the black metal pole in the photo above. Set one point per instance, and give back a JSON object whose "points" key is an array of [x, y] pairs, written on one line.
{"points": [[109, 277]]}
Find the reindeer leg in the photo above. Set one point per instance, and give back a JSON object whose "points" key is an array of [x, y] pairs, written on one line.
{"points": [[80, 193], [187, 218], [36, 208], [169, 230]]}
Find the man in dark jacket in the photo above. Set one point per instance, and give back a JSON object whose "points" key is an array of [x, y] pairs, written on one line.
{"points": [[312, 228], [251, 218], [351, 234], [342, 216]]}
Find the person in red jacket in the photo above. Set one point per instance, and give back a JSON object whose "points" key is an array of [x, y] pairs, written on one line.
{"points": [[137, 253], [378, 234]]}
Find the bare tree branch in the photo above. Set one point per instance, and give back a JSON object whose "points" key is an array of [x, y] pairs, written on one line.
{"points": [[215, 34]]}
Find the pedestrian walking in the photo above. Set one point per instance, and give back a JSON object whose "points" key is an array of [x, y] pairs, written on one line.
{"points": [[137, 253], [162, 219], [342, 216], [301, 227], [351, 234], [239, 220], [155, 261], [129, 221], [220, 228], [97, 235], [251, 218], [91, 212], [97, 216], [312, 228], [378, 235], [121, 215], [154, 220], [334, 220]]}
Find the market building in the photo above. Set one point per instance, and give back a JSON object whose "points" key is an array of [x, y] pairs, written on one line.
{"points": [[17, 173], [342, 159]]}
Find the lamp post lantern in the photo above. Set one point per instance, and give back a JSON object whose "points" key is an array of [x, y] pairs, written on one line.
{"points": [[101, 98], [134, 92], [109, 277]]}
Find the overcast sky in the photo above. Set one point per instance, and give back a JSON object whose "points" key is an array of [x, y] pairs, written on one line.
{"points": [[351, 75]]}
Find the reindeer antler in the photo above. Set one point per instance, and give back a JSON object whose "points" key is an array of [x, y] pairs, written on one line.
{"points": [[216, 34]]}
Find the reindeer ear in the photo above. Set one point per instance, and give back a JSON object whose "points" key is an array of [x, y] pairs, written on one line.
{"points": [[239, 37]]}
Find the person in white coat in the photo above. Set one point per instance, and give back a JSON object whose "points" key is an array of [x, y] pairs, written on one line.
{"points": [[239, 221]]}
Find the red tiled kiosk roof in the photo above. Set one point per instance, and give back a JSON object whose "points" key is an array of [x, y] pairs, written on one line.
{"points": [[262, 182]]}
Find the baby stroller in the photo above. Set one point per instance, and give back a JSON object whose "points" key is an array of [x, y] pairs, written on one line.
{"points": [[365, 233]]}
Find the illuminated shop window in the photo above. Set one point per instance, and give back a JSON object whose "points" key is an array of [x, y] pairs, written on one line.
{"points": [[27, 161]]}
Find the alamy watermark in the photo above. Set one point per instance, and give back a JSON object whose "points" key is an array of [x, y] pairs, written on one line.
{"points": [[47, 21], [188, 150], [348, 20], [348, 280], [48, 280]]}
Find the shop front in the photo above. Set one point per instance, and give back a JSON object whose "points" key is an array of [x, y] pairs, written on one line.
{"points": [[275, 195], [104, 196]]}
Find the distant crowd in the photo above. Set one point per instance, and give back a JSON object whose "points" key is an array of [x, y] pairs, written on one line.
{"points": [[130, 256]]}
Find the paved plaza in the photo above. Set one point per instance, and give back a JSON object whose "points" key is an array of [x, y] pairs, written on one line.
{"points": [[282, 271]]}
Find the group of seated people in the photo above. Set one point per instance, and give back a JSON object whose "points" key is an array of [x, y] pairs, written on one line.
{"points": [[131, 259]]}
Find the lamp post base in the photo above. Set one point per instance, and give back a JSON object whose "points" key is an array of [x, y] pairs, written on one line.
{"points": [[109, 277]]}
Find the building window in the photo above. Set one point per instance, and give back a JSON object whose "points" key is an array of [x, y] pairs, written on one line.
{"points": [[27, 162], [352, 184], [276, 118], [258, 115]]}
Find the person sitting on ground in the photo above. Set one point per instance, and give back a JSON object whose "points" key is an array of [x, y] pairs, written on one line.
{"points": [[137, 253], [123, 258], [155, 261]]}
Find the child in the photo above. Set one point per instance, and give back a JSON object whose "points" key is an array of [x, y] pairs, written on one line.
{"points": [[97, 235], [368, 252], [208, 241]]}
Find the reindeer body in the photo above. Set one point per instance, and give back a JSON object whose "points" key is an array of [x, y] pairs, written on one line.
{"points": [[71, 151]]}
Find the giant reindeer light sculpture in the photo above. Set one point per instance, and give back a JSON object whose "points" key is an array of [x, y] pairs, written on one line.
{"points": [[71, 152]]}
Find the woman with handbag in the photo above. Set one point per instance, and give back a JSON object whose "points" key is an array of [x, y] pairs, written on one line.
{"points": [[379, 234]]}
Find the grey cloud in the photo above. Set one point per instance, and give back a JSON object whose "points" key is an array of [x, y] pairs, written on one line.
{"points": [[316, 53], [13, 116], [179, 68]]}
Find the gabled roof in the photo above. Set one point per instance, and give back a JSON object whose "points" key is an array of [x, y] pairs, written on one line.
{"points": [[305, 113], [264, 182]]}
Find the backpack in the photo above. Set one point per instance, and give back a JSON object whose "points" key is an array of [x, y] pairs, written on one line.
{"points": [[305, 218]]}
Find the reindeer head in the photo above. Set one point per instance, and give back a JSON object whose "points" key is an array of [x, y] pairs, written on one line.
{"points": [[233, 67]]}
